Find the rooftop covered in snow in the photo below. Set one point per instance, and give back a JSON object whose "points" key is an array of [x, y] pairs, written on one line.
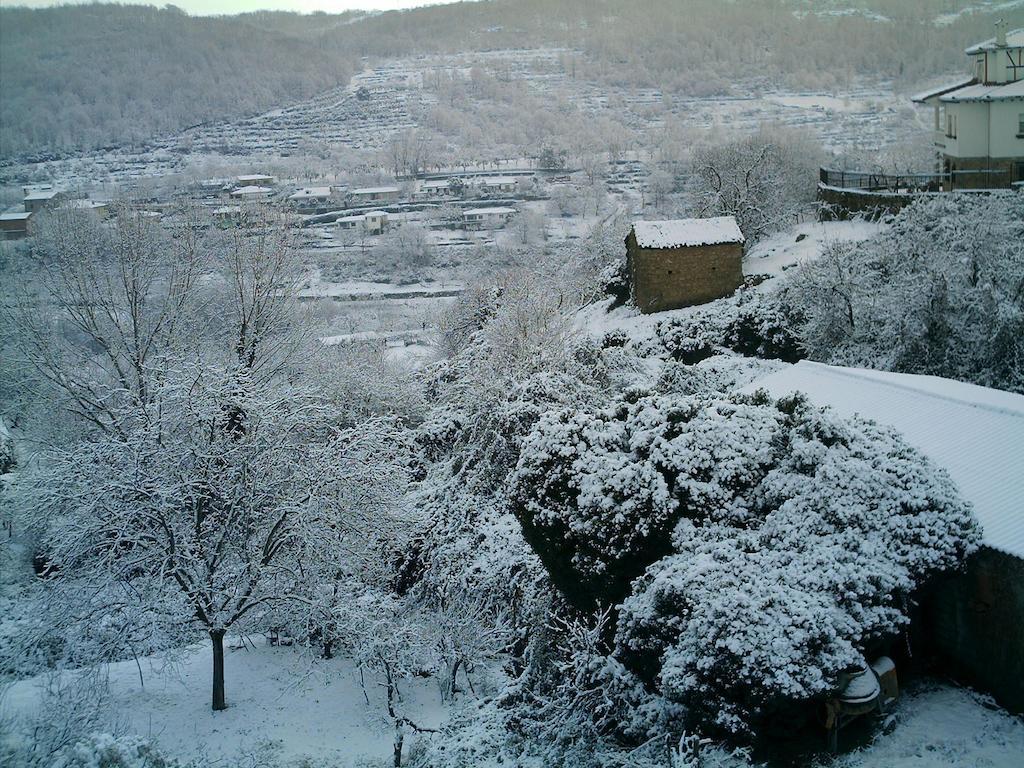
{"points": [[1014, 39], [975, 433], [677, 233], [982, 92]]}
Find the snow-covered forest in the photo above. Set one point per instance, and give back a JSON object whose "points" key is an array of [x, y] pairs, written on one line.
{"points": [[334, 431]]}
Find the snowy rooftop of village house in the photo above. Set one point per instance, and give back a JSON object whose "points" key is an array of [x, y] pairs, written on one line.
{"points": [[310, 192], [975, 433], [942, 90], [254, 177], [251, 190], [1014, 39], [15, 215], [678, 233], [981, 92]]}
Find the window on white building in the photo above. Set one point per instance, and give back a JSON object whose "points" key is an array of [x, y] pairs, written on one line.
{"points": [[1020, 125]]}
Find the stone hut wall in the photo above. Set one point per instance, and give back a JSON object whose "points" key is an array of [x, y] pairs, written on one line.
{"points": [[670, 278]]}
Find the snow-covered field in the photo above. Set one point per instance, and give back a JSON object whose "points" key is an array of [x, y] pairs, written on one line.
{"points": [[285, 704], [280, 700]]}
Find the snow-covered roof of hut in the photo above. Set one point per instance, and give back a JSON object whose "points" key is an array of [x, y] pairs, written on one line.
{"points": [[975, 433], [15, 216], [254, 178], [677, 233]]}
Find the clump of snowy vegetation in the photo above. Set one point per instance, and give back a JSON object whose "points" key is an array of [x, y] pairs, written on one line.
{"points": [[754, 549], [749, 323], [940, 292]]}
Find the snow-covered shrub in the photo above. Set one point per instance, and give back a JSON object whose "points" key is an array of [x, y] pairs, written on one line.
{"points": [[102, 750], [751, 323], [938, 292], [7, 459], [615, 283], [756, 547]]}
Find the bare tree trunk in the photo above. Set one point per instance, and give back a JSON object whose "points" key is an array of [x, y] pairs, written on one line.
{"points": [[217, 640]]}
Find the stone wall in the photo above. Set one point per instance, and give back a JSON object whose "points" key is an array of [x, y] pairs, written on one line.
{"points": [[841, 204], [994, 180], [670, 278]]}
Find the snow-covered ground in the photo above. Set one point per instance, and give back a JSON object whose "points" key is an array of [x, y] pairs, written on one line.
{"points": [[279, 698], [284, 703], [941, 726]]}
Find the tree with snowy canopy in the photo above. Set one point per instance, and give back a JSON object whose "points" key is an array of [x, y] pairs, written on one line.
{"points": [[753, 549], [203, 478], [940, 292]]}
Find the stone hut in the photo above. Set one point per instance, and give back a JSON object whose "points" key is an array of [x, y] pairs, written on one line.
{"points": [[682, 262]]}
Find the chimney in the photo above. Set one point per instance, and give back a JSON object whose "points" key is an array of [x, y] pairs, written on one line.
{"points": [[1001, 33]]}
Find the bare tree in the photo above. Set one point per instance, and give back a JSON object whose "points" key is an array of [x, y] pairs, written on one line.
{"points": [[208, 467]]}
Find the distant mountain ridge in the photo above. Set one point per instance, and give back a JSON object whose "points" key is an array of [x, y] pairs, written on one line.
{"points": [[80, 77]]}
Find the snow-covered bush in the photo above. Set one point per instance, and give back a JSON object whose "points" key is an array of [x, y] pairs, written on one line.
{"points": [[939, 292], [751, 323], [615, 283], [102, 750], [7, 459], [756, 547]]}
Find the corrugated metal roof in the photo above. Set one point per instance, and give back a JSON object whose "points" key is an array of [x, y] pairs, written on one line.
{"points": [[975, 433]]}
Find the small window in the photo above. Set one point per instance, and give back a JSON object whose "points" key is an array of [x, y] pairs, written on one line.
{"points": [[1020, 125]]}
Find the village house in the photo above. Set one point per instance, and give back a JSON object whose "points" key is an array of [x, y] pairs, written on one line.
{"points": [[374, 195], [434, 188], [15, 223], [487, 218], [227, 214], [39, 196], [372, 223], [682, 262], [256, 180], [493, 185], [308, 197], [979, 119], [971, 622]]}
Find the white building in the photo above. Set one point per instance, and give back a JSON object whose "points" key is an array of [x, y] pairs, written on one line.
{"points": [[487, 218], [979, 119], [434, 188], [504, 185], [372, 223], [307, 196]]}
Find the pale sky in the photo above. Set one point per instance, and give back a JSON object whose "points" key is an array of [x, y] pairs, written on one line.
{"points": [[212, 7]]}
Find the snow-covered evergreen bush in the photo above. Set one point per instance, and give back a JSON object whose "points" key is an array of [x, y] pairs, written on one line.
{"points": [[756, 547], [751, 323], [940, 292]]}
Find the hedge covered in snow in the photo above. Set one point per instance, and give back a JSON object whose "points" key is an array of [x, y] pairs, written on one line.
{"points": [[754, 548]]}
